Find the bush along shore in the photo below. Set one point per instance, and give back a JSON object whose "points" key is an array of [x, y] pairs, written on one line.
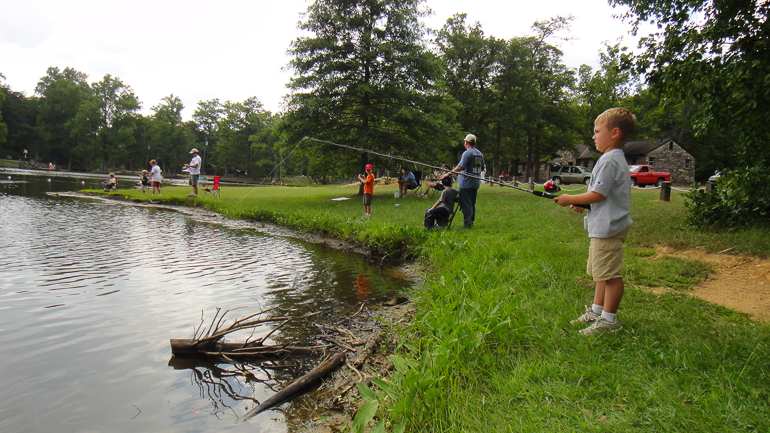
{"points": [[491, 347]]}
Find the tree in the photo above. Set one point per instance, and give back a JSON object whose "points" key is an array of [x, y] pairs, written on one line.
{"points": [[168, 140], [239, 122], [366, 78], [3, 126], [19, 115], [604, 88], [547, 120], [714, 54], [207, 117], [471, 63], [117, 109], [64, 97]]}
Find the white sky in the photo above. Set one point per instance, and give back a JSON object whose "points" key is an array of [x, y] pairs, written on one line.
{"points": [[230, 49]]}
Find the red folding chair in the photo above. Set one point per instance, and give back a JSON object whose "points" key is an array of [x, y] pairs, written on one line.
{"points": [[213, 190]]}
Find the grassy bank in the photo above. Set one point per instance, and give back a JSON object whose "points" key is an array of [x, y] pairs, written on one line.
{"points": [[492, 350]]}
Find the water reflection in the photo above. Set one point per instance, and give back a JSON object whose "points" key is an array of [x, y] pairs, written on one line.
{"points": [[91, 293]]}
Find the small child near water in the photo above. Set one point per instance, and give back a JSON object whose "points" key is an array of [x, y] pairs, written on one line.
{"points": [[110, 183], [145, 181]]}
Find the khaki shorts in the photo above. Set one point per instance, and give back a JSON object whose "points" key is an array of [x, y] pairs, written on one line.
{"points": [[605, 257], [194, 179]]}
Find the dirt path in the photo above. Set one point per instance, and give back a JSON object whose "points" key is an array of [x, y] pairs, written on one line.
{"points": [[739, 282]]}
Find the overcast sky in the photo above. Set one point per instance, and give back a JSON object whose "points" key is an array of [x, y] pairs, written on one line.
{"points": [[230, 49]]}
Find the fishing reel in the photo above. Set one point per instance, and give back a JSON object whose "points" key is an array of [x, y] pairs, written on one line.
{"points": [[551, 187]]}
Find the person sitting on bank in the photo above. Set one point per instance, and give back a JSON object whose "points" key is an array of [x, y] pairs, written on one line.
{"points": [[439, 213], [406, 182], [435, 181], [110, 183]]}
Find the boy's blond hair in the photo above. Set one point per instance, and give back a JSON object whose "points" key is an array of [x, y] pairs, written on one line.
{"points": [[620, 118]]}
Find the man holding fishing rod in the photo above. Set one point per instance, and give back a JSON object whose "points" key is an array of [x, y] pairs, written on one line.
{"points": [[472, 164]]}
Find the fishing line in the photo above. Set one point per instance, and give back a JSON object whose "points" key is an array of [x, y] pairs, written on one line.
{"points": [[271, 172], [490, 180]]}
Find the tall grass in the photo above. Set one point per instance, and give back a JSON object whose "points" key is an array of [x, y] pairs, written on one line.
{"points": [[491, 348]]}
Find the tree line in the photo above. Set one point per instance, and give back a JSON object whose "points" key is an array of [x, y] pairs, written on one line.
{"points": [[372, 75]]}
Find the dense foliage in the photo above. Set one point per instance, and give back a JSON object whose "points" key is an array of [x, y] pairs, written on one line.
{"points": [[711, 56]]}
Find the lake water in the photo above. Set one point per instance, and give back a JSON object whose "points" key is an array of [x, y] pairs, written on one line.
{"points": [[91, 292]]}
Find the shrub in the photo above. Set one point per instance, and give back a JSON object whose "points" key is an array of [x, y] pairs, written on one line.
{"points": [[740, 198]]}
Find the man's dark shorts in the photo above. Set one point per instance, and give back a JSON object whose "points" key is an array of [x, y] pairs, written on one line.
{"points": [[367, 199]]}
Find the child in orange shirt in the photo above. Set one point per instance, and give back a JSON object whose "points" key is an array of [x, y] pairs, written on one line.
{"points": [[368, 189]]}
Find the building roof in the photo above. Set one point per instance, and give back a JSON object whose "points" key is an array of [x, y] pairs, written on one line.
{"points": [[585, 152], [642, 148]]}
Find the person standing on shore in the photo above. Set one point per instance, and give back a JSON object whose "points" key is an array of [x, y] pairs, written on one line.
{"points": [[608, 220], [471, 163], [368, 189], [155, 178], [195, 171]]}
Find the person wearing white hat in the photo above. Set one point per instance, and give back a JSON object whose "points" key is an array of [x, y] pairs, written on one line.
{"points": [[195, 171], [472, 163]]}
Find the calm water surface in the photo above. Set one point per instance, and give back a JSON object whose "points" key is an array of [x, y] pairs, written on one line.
{"points": [[92, 291]]}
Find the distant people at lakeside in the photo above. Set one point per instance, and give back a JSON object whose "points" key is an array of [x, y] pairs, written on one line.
{"points": [[435, 180], [368, 182], [155, 178], [110, 183], [469, 169], [195, 170], [438, 214], [144, 181], [406, 182]]}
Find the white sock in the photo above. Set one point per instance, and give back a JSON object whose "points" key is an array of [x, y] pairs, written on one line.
{"points": [[610, 317], [597, 309]]}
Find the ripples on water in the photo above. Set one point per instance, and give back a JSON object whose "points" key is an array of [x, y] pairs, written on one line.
{"points": [[91, 293]]}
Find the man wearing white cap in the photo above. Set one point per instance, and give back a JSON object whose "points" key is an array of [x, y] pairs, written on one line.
{"points": [[472, 163], [195, 171]]}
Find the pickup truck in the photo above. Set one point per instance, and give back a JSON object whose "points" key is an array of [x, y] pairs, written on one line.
{"points": [[642, 175]]}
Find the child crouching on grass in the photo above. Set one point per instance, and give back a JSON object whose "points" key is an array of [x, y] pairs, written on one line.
{"points": [[609, 195], [368, 189]]}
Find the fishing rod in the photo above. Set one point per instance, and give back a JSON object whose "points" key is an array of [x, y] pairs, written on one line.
{"points": [[545, 194]]}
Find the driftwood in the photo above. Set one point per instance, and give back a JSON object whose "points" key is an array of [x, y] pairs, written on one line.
{"points": [[207, 342], [186, 348], [299, 385]]}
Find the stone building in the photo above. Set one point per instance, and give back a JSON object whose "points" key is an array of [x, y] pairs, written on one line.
{"points": [[663, 155]]}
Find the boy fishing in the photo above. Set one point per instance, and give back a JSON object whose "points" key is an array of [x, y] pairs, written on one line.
{"points": [[609, 195], [368, 189]]}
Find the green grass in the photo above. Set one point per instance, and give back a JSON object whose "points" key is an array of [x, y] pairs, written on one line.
{"points": [[491, 348]]}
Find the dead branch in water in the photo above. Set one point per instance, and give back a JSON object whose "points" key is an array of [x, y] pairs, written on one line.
{"points": [[299, 385], [207, 341]]}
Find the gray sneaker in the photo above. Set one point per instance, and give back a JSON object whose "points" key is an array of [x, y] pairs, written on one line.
{"points": [[589, 317], [601, 325]]}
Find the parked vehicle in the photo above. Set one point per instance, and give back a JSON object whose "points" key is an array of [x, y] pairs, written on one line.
{"points": [[566, 174], [642, 175], [715, 178]]}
